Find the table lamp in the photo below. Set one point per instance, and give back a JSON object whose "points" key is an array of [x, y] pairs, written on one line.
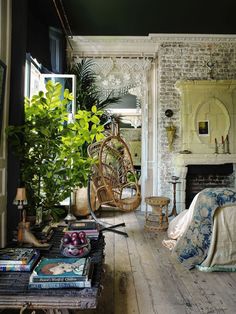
{"points": [[21, 200], [24, 234]]}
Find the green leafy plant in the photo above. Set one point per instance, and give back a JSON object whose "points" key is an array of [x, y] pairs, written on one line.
{"points": [[50, 146], [87, 92]]}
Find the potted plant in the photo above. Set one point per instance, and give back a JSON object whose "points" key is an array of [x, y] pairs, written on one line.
{"points": [[87, 92], [50, 147]]}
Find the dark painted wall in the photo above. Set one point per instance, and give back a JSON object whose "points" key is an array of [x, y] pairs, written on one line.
{"points": [[30, 34], [140, 18], [16, 109]]}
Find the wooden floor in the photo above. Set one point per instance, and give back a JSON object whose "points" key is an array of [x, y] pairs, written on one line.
{"points": [[142, 277]]}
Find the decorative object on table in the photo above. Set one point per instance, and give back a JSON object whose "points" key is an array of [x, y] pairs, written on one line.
{"points": [[69, 217], [223, 147], [227, 151], [174, 181], [20, 201], [24, 235], [61, 273], [75, 244], [216, 147], [157, 220], [12, 266]]}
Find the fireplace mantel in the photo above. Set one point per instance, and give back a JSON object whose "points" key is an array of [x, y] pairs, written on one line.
{"points": [[181, 161]]}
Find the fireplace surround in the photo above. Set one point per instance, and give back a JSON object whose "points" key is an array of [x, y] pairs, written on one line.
{"points": [[182, 162], [208, 125]]}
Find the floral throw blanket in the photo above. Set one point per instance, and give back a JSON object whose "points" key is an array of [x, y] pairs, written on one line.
{"points": [[192, 247]]}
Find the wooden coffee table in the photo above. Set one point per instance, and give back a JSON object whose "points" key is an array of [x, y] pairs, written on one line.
{"points": [[14, 292]]}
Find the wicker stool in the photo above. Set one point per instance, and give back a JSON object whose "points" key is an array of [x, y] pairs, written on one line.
{"points": [[158, 219]]}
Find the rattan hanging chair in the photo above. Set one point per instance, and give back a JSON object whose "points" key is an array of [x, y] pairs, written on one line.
{"points": [[113, 175]]}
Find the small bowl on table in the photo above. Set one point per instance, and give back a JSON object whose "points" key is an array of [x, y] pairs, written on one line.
{"points": [[75, 244]]}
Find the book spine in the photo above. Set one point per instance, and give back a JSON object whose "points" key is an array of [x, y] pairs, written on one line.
{"points": [[59, 285], [20, 267], [59, 279], [11, 267], [13, 262]]}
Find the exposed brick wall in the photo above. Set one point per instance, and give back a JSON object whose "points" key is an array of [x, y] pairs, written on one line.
{"points": [[185, 61]]}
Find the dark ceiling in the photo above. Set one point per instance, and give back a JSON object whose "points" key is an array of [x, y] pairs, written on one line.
{"points": [[141, 17]]}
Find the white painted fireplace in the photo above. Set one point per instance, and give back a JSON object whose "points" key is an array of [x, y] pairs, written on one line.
{"points": [[208, 125]]}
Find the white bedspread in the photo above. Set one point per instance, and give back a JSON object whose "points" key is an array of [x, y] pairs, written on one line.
{"points": [[222, 249]]}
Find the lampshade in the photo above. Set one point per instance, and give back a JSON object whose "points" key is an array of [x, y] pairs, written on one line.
{"points": [[20, 196]]}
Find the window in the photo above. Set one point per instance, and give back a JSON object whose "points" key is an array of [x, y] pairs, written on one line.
{"points": [[66, 80], [36, 79]]}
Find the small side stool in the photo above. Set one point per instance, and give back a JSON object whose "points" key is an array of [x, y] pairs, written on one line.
{"points": [[157, 220]]}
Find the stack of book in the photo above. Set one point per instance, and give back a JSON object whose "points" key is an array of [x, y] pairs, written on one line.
{"points": [[18, 259], [57, 273], [90, 227]]}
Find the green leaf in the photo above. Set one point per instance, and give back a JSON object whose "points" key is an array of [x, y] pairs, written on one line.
{"points": [[95, 120], [99, 137], [94, 109]]}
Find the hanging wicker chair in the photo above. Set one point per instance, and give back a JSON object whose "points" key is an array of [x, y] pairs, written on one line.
{"points": [[113, 175]]}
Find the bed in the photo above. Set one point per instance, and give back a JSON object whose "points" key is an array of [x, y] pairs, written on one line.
{"points": [[204, 236]]}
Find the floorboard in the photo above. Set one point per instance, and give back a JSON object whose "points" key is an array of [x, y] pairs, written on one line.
{"points": [[148, 280], [142, 277]]}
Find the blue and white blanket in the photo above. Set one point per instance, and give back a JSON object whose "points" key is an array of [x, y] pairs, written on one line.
{"points": [[192, 247]]}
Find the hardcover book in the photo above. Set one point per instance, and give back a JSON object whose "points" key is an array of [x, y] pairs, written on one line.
{"points": [[59, 285], [61, 270], [16, 256], [83, 225], [21, 267], [91, 234]]}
